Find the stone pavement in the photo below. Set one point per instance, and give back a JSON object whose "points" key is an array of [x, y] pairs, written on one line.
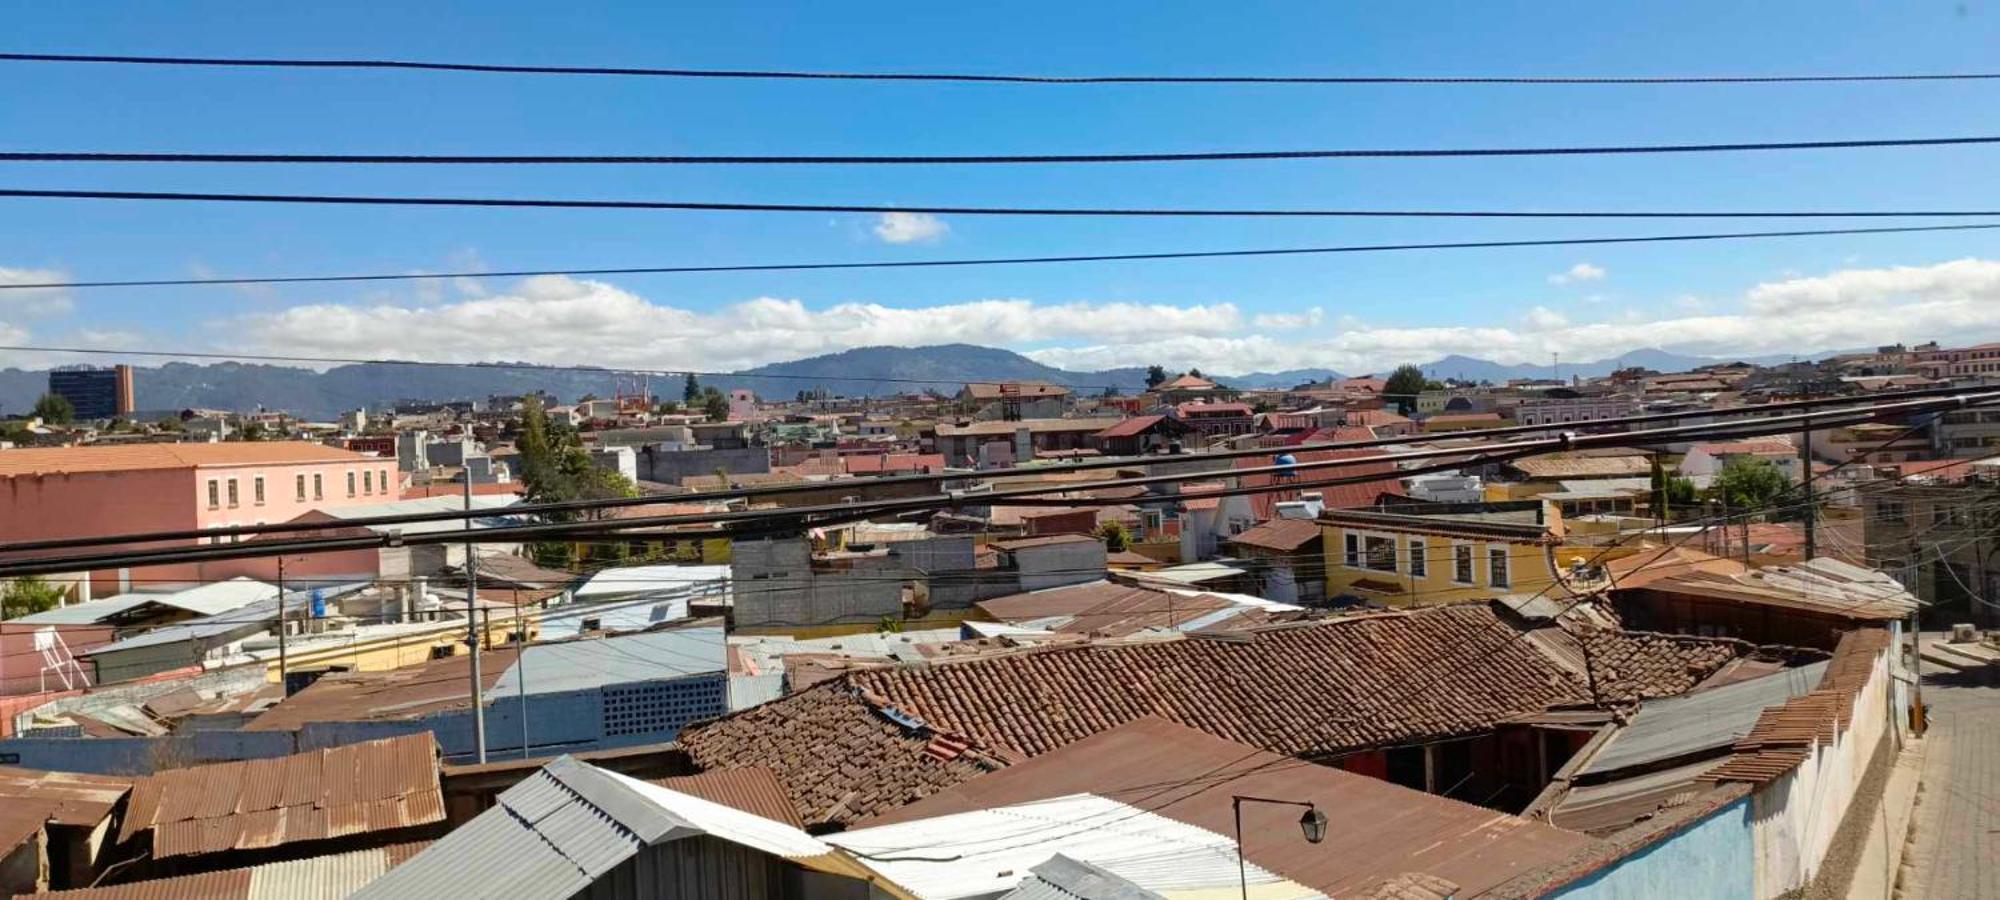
{"points": [[1954, 849]]}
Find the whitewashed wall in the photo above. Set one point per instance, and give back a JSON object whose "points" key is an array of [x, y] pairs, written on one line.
{"points": [[1794, 818]]}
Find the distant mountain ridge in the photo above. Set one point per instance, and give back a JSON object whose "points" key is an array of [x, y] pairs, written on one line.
{"points": [[861, 371]]}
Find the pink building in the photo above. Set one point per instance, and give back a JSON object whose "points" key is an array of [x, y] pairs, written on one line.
{"points": [[61, 492]]}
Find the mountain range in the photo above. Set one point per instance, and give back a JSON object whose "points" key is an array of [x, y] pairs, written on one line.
{"points": [[858, 372]]}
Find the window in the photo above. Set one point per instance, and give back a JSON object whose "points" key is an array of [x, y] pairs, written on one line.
{"points": [[1419, 567], [233, 501], [1461, 563], [1496, 566], [1381, 552], [214, 494], [368, 482], [257, 490], [1354, 550], [318, 492], [384, 478], [302, 487], [1889, 510], [350, 483]]}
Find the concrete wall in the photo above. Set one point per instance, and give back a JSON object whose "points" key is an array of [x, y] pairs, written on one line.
{"points": [[1796, 816], [1711, 858], [670, 466], [144, 755], [1056, 565]]}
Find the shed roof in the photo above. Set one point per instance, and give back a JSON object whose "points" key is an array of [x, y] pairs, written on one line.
{"points": [[1381, 829], [77, 798], [376, 785], [618, 659], [1283, 535], [752, 789], [1704, 721], [330, 877], [407, 693], [213, 598], [1824, 586]]}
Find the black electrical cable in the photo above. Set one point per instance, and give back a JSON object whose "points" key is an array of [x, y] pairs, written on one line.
{"points": [[1012, 260], [573, 159], [1154, 212], [974, 77], [1755, 412]]}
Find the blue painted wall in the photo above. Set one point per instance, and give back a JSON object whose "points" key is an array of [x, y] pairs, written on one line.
{"points": [[1716, 857]]}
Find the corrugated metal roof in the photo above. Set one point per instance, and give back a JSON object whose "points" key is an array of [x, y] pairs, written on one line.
{"points": [[985, 851], [228, 884], [752, 789], [374, 786], [249, 618], [21, 820], [619, 659], [558, 830], [79, 799], [1825, 586], [1062, 878], [1375, 828], [1713, 719], [405, 693], [633, 580], [314, 878], [1613, 806]]}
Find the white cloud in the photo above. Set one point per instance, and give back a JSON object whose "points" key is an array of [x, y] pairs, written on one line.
{"points": [[910, 228], [1544, 318], [34, 302], [563, 320], [1578, 273], [1290, 321]]}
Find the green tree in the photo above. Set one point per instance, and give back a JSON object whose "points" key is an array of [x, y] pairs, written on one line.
{"points": [[16, 433], [1195, 373], [1404, 385], [1670, 492], [255, 431], [556, 469], [27, 596], [1155, 376], [538, 458], [715, 404], [1116, 538], [691, 390], [168, 423], [55, 409], [1747, 484]]}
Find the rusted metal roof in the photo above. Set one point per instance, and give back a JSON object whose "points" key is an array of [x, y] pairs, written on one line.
{"points": [[1381, 830], [405, 693], [1786, 734], [1823, 586], [752, 789], [374, 786], [77, 798], [21, 820], [329, 877]]}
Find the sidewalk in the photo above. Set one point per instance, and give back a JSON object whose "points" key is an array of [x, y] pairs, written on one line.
{"points": [[1881, 857]]}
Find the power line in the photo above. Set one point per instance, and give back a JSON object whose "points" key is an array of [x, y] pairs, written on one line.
{"points": [[856, 511], [975, 77], [769, 491], [1008, 261], [1153, 212], [403, 159]]}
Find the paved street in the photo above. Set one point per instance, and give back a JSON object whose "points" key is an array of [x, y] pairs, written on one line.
{"points": [[1955, 852]]}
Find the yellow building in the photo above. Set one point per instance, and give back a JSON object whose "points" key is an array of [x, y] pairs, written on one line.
{"points": [[1422, 555]]}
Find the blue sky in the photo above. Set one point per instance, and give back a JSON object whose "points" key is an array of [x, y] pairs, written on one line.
{"points": [[1348, 312]]}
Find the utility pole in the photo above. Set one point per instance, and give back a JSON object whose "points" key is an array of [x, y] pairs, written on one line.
{"points": [[521, 667], [284, 670], [472, 624], [1806, 479]]}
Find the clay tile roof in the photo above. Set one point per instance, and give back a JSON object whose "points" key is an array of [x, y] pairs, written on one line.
{"points": [[839, 756], [1344, 496], [1548, 467], [1629, 666], [1187, 383], [1132, 426], [1284, 535], [1299, 690], [374, 786], [1008, 390], [1786, 734]]}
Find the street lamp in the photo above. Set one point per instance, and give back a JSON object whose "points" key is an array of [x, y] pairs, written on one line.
{"points": [[1312, 824]]}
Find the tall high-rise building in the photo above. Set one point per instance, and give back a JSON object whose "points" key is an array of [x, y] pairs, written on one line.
{"points": [[97, 393]]}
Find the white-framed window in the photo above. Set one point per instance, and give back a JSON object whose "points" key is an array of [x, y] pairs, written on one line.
{"points": [[1353, 548], [368, 481], [214, 494], [1496, 565], [319, 487], [302, 487], [350, 482], [257, 490], [1419, 566], [1461, 563], [234, 500]]}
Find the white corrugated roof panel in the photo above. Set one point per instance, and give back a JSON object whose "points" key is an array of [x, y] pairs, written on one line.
{"points": [[621, 659], [993, 850], [626, 580], [727, 823]]}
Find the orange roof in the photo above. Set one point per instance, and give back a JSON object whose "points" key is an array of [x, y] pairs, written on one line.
{"points": [[129, 457], [1187, 383]]}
